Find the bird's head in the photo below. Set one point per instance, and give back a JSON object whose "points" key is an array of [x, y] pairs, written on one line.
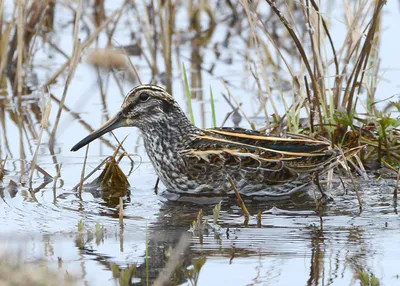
{"points": [[144, 106]]}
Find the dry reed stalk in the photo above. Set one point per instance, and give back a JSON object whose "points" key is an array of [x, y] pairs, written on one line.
{"points": [[239, 198], [92, 172], [259, 219], [121, 212], [4, 39], [108, 159], [77, 117], [2, 168], [167, 29], [358, 73], [36, 22], [238, 105], [20, 46], [352, 179], [74, 63], [151, 42], [44, 124], [122, 147], [262, 62], [299, 46], [114, 156], [83, 172], [83, 46]]}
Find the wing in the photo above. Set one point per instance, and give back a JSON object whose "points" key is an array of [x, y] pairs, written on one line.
{"points": [[277, 159]]}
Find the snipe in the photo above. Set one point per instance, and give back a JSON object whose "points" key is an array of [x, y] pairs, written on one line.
{"points": [[195, 161]]}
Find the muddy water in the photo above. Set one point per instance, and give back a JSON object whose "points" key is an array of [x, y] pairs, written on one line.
{"points": [[291, 245]]}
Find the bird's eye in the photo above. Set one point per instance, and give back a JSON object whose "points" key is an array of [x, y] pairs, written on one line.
{"points": [[144, 96]]}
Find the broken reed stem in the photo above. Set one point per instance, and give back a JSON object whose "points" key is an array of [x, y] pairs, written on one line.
{"points": [[93, 171], [83, 172], [239, 198], [114, 156], [122, 147]]}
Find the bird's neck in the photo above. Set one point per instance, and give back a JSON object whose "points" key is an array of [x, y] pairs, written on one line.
{"points": [[164, 138]]}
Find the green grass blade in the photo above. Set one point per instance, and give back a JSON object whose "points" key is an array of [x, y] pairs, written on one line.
{"points": [[188, 94], [214, 118]]}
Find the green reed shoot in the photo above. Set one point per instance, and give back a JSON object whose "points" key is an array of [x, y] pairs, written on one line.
{"points": [[188, 94], [80, 226], [214, 117], [216, 212]]}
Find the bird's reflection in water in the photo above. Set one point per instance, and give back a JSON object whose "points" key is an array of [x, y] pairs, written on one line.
{"points": [[165, 234]]}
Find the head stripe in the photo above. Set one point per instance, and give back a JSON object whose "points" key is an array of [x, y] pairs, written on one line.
{"points": [[146, 86]]}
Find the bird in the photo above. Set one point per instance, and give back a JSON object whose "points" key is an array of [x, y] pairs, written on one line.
{"points": [[212, 162]]}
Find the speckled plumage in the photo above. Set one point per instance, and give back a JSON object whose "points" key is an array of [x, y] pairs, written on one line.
{"points": [[190, 160]]}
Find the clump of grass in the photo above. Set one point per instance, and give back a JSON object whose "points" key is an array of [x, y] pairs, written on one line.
{"points": [[198, 225], [329, 104], [83, 230], [367, 279], [124, 275], [193, 272]]}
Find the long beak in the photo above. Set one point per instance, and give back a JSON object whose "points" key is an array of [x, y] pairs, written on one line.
{"points": [[114, 123]]}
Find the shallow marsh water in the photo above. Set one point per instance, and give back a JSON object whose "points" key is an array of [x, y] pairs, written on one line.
{"points": [[291, 246]]}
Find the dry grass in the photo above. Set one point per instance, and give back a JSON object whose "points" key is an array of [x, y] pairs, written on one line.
{"points": [[333, 98]]}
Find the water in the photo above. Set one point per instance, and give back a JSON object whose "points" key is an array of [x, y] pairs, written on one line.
{"points": [[291, 246]]}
